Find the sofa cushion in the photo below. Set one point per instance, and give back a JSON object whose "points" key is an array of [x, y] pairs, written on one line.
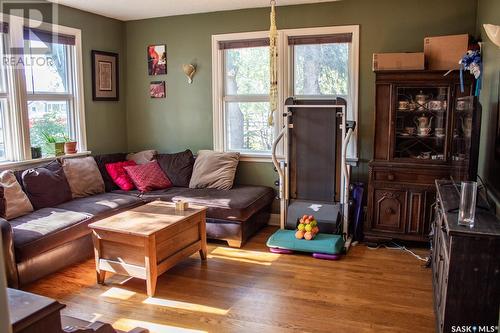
{"points": [[214, 170], [142, 157], [101, 161], [46, 186], [100, 204], [45, 229], [236, 204], [83, 176], [148, 177], [117, 172], [178, 167], [13, 201]]}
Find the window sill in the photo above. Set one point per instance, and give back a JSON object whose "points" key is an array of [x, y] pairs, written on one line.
{"points": [[19, 164]]}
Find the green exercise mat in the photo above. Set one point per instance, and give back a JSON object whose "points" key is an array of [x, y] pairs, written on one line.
{"points": [[322, 243]]}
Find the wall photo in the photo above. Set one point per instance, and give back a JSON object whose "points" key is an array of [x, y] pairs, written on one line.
{"points": [[157, 89], [157, 59]]}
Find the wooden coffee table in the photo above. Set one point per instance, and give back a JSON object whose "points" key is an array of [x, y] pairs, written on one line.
{"points": [[147, 240]]}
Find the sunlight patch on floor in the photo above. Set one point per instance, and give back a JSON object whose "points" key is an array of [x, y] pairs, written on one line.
{"points": [[252, 257], [118, 293], [185, 306], [128, 324]]}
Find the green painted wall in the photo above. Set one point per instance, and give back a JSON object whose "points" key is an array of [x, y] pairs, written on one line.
{"points": [[488, 11], [184, 118], [105, 121]]}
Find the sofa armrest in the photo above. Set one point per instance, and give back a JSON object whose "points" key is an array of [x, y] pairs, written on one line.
{"points": [[8, 254]]}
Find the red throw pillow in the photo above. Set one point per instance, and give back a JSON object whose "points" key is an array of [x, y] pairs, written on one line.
{"points": [[117, 172], [148, 177]]}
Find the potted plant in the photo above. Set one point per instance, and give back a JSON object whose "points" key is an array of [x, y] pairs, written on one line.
{"points": [[69, 145], [54, 146]]}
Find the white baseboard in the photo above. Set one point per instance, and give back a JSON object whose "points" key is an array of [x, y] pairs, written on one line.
{"points": [[274, 220]]}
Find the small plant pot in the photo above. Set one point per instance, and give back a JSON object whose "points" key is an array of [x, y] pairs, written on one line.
{"points": [[70, 147], [56, 149], [36, 152]]}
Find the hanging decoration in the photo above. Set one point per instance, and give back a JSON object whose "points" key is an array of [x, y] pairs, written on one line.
{"points": [[471, 61], [273, 58]]}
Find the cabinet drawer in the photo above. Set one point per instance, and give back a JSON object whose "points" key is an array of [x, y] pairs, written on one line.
{"points": [[407, 177]]}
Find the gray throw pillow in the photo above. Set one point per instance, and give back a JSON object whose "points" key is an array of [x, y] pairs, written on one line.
{"points": [[142, 157], [83, 176], [214, 170], [15, 202]]}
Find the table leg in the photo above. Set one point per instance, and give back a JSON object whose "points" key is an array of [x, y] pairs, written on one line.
{"points": [[100, 274], [151, 265], [203, 236]]}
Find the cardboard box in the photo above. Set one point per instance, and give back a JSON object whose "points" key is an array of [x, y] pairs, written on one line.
{"points": [[444, 52], [398, 61]]}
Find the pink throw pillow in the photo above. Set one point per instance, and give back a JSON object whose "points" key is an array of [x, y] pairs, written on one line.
{"points": [[117, 172], [148, 177]]}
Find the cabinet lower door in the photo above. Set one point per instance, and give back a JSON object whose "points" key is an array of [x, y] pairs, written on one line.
{"points": [[389, 210]]}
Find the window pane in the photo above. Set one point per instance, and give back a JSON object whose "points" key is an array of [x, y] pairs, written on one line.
{"points": [[247, 71], [46, 71], [3, 110], [48, 119], [321, 69], [247, 129]]}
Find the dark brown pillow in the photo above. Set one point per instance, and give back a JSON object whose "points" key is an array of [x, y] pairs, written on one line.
{"points": [[46, 186], [102, 160], [178, 167]]}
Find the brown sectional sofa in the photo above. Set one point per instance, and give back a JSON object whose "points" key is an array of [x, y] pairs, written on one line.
{"points": [[50, 239]]}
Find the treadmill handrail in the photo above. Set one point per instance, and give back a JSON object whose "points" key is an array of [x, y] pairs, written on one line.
{"points": [[273, 154]]}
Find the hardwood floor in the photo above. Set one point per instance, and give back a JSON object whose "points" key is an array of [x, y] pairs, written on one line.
{"points": [[253, 290]]}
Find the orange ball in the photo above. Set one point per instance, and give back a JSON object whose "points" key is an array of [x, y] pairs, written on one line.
{"points": [[299, 234], [308, 235], [315, 230]]}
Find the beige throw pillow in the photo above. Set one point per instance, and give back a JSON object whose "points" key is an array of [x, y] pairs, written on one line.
{"points": [[142, 157], [214, 170], [83, 176], [15, 201]]}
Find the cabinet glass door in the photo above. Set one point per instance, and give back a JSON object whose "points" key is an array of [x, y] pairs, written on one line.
{"points": [[421, 123], [462, 132]]}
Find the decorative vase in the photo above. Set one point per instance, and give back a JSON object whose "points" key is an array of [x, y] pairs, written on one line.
{"points": [[70, 147]]}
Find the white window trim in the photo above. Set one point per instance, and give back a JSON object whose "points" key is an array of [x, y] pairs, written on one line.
{"points": [[285, 86], [219, 131], [21, 97]]}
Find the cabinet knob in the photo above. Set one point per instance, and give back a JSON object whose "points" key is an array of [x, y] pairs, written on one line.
{"points": [[390, 176]]}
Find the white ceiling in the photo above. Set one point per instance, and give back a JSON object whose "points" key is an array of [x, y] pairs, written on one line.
{"points": [[126, 10]]}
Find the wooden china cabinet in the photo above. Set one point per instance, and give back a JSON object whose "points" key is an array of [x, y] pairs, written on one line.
{"points": [[425, 129]]}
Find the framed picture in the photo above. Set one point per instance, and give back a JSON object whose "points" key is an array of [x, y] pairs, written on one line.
{"points": [[105, 80], [157, 59], [157, 89]]}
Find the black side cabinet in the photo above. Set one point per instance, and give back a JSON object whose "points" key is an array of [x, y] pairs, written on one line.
{"points": [[465, 266]]}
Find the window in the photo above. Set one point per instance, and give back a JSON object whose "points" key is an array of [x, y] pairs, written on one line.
{"points": [[245, 96], [41, 90], [313, 63]]}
